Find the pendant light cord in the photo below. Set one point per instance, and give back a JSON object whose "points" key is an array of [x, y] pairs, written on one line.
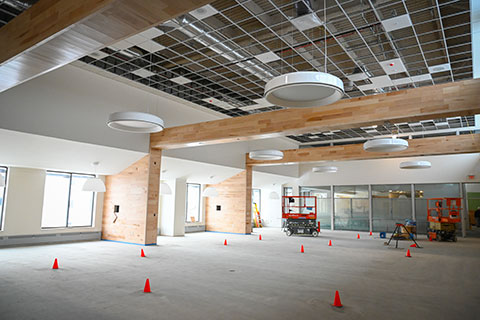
{"points": [[325, 31]]}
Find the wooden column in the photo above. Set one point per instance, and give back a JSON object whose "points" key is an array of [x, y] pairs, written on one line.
{"points": [[151, 223], [235, 205], [136, 191]]}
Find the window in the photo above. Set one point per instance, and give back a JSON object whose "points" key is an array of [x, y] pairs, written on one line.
{"points": [[288, 191], [193, 203], [351, 208], [426, 191], [391, 204], [256, 199], [3, 177], [324, 203], [64, 202]]}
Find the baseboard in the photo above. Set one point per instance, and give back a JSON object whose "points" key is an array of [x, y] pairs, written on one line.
{"points": [[194, 228], [33, 239]]}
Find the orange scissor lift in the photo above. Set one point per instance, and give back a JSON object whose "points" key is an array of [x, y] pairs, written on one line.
{"points": [[299, 214], [443, 214]]}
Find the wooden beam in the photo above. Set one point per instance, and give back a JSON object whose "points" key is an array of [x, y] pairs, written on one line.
{"points": [[53, 33], [465, 143], [439, 101]]}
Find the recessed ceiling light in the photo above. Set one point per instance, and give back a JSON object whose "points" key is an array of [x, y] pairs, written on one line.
{"points": [[381, 81], [181, 80], [422, 77], [266, 155], [267, 57], [415, 165], [144, 73], [304, 89], [357, 76], [137, 122], [366, 87], [307, 21], [397, 23], [385, 145], [204, 12], [325, 169], [401, 81], [439, 68], [393, 66]]}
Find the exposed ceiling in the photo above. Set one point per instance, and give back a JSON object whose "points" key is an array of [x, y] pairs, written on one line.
{"points": [[413, 130], [221, 55], [9, 9]]}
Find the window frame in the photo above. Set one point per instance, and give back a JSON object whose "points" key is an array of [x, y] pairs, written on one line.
{"points": [[92, 211], [199, 203], [259, 204], [2, 209]]}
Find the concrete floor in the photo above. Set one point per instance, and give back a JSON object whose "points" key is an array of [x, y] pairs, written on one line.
{"points": [[197, 277]]}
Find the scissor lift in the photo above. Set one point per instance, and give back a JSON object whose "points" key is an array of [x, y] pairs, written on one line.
{"points": [[299, 214], [443, 215]]}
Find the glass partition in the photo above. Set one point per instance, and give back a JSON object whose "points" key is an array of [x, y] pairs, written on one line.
{"points": [[390, 204], [351, 208], [426, 191], [324, 204]]}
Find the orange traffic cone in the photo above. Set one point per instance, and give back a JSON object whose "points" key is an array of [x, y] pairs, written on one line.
{"points": [[55, 264], [330, 243], [413, 245], [260, 237], [358, 235], [225, 242], [408, 254], [336, 302], [142, 254], [371, 233], [147, 286], [301, 249]]}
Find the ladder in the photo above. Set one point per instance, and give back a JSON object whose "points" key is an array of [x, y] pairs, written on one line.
{"points": [[258, 221], [399, 227]]}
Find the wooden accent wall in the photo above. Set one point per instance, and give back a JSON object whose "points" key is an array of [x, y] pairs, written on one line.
{"points": [[424, 103], [136, 191], [234, 197]]}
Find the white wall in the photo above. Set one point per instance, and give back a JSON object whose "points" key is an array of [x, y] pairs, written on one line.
{"points": [[73, 104], [233, 154], [449, 168], [24, 204], [271, 210], [172, 209]]}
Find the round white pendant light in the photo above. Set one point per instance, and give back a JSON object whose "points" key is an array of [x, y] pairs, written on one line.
{"points": [[138, 122], [304, 89], [210, 192], [165, 189], [325, 169], [94, 185], [273, 195], [266, 155], [415, 165], [385, 145]]}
